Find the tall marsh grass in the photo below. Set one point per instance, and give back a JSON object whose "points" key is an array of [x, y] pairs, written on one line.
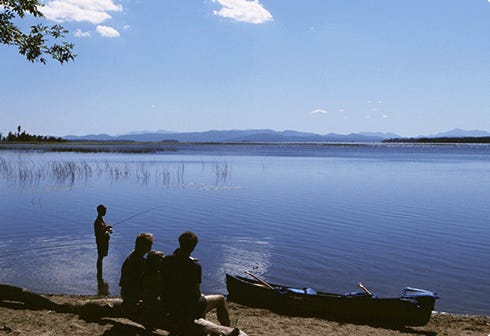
{"points": [[29, 171]]}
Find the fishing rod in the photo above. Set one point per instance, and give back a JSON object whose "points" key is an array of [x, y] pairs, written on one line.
{"points": [[70, 244], [137, 215]]}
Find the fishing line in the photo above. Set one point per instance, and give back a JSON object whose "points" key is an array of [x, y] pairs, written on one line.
{"points": [[118, 222], [71, 244], [138, 214]]}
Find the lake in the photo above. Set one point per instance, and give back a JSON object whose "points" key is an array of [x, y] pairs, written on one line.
{"points": [[322, 216]]}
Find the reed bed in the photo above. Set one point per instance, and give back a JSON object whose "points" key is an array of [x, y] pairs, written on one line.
{"points": [[90, 147], [27, 171]]}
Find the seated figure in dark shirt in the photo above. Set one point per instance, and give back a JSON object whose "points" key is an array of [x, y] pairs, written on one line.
{"points": [[152, 282], [181, 279], [132, 271]]}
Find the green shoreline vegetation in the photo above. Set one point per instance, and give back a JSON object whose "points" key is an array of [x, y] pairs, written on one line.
{"points": [[443, 140], [26, 137]]}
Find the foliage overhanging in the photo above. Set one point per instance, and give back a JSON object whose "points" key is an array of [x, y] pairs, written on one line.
{"points": [[40, 41]]}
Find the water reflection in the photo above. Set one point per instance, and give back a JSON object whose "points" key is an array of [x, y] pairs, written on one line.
{"points": [[246, 254], [102, 287]]}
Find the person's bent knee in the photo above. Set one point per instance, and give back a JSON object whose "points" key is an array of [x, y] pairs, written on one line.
{"points": [[218, 301], [214, 301]]}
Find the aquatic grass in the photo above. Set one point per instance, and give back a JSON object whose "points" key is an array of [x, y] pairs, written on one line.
{"points": [[104, 149], [90, 147], [23, 171], [64, 172], [164, 177], [180, 174], [222, 171], [143, 175]]}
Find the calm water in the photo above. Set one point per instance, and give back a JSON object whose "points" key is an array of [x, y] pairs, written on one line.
{"points": [[325, 217]]}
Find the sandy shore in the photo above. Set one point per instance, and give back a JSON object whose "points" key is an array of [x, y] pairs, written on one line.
{"points": [[15, 319]]}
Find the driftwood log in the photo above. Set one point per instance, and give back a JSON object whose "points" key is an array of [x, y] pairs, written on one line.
{"points": [[104, 308]]}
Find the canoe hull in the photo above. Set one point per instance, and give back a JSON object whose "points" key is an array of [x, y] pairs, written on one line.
{"points": [[413, 309]]}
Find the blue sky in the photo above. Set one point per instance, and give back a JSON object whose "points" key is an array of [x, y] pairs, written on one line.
{"points": [[408, 67]]}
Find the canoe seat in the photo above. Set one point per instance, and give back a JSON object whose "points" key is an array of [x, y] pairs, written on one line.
{"points": [[308, 291]]}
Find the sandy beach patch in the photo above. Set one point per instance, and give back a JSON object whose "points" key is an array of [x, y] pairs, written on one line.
{"points": [[16, 319]]}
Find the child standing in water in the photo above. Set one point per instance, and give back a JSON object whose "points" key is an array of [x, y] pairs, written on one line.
{"points": [[102, 235]]}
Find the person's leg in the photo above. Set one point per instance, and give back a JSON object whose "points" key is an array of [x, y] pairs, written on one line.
{"points": [[218, 302], [99, 267]]}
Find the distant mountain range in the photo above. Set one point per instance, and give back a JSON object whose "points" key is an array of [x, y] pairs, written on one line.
{"points": [[459, 133], [260, 135]]}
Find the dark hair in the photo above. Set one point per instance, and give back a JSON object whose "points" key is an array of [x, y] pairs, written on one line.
{"points": [[154, 259], [188, 241], [143, 241], [101, 207]]}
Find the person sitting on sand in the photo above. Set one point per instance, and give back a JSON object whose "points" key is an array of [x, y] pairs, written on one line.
{"points": [[181, 279], [102, 235], [132, 271], [152, 281]]}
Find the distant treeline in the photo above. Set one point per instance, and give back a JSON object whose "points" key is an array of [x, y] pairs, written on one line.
{"points": [[442, 140], [26, 137]]}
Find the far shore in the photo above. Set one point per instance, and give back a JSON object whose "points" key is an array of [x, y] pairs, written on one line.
{"points": [[121, 146]]}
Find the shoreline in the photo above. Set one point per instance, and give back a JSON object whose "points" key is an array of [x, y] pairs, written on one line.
{"points": [[17, 319]]}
